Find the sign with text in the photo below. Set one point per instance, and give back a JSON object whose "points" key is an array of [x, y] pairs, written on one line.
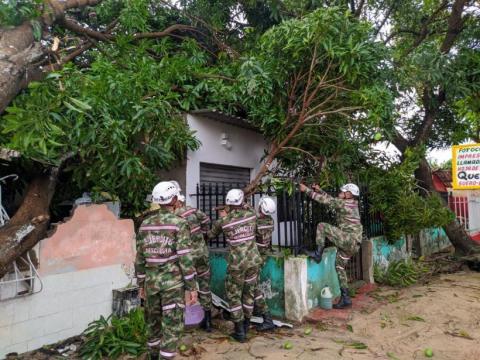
{"points": [[466, 166]]}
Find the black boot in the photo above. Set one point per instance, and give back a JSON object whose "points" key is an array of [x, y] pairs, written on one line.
{"points": [[267, 324], [315, 255], [239, 332], [226, 315], [246, 325], [155, 356], [345, 301], [206, 323]]}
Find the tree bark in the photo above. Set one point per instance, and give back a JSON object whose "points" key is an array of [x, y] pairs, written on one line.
{"points": [[457, 235], [18, 53], [30, 222]]}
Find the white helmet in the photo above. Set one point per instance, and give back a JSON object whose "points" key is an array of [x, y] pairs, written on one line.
{"points": [[234, 197], [177, 185], [352, 188], [267, 206], [164, 192]]}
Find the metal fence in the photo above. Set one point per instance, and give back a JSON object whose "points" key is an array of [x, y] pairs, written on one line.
{"points": [[297, 218]]}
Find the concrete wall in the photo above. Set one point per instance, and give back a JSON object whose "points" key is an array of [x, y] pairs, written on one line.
{"points": [[384, 252], [271, 280], [321, 275], [432, 241], [80, 264]]}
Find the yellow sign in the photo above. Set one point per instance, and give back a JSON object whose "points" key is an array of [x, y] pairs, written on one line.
{"points": [[466, 166]]}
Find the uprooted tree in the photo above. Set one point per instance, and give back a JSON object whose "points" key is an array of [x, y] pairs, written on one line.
{"points": [[105, 83]]}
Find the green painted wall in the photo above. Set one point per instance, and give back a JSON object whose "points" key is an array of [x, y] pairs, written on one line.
{"points": [[319, 275], [271, 280]]}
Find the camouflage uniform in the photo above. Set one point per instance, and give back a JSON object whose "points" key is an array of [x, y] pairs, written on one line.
{"points": [[239, 227], [347, 236], [264, 240], [164, 267], [199, 222]]}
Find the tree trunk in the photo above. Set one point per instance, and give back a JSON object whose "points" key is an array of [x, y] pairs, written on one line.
{"points": [[29, 224], [18, 53], [457, 235]]}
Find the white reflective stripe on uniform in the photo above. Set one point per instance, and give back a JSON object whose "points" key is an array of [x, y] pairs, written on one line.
{"points": [[207, 220], [237, 241], [241, 221], [204, 292], [344, 258], [338, 266], [167, 353], [250, 307], [204, 273], [153, 342], [190, 276], [259, 297], [188, 212], [158, 227], [161, 260], [169, 307], [251, 279], [195, 229], [265, 227], [236, 308], [262, 245], [183, 251], [141, 276]]}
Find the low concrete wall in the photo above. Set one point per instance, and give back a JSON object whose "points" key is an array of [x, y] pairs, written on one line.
{"points": [[80, 264], [431, 241], [321, 275], [384, 252], [271, 279]]}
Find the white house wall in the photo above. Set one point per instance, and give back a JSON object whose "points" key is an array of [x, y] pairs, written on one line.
{"points": [[247, 150]]}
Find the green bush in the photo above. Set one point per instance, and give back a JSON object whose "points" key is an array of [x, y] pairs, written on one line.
{"points": [[401, 273], [113, 336]]}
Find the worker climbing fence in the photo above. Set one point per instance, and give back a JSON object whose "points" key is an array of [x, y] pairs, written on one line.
{"points": [[296, 218]]}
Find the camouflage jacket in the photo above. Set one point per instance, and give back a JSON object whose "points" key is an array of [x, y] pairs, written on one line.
{"points": [[239, 227], [163, 245], [197, 220], [348, 214], [264, 233]]}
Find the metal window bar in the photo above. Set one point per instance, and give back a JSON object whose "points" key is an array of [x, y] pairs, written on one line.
{"points": [[26, 279]]}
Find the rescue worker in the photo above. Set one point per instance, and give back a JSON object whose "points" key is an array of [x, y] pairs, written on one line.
{"points": [[199, 225], [346, 237], [239, 222], [164, 269], [266, 208]]}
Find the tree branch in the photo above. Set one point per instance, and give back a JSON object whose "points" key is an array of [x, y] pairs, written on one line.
{"points": [[455, 25], [359, 9]]}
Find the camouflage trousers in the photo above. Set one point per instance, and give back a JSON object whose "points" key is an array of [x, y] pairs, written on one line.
{"points": [[240, 290], [164, 319], [261, 306], [346, 244], [202, 267]]}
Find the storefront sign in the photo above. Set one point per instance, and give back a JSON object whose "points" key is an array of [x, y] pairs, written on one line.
{"points": [[466, 166]]}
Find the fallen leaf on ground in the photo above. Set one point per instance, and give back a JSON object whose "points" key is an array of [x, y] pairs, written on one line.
{"points": [[416, 318]]}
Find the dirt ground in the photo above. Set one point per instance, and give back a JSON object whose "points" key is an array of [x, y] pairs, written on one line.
{"points": [[443, 315], [400, 324]]}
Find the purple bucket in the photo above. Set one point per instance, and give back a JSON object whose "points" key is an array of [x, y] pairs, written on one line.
{"points": [[193, 314]]}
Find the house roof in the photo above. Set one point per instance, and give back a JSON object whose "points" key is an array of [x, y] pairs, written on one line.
{"points": [[444, 176], [225, 118]]}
